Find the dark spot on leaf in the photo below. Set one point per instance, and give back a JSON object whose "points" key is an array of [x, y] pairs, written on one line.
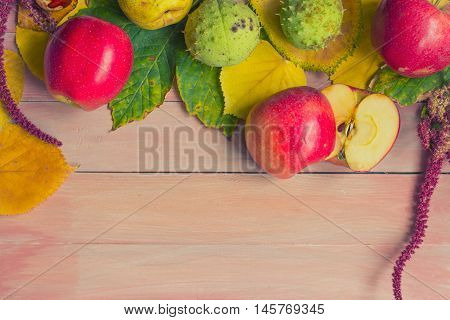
{"points": [[151, 58], [151, 83], [234, 28]]}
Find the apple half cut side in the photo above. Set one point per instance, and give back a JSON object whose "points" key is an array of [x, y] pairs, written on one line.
{"points": [[343, 101], [367, 126]]}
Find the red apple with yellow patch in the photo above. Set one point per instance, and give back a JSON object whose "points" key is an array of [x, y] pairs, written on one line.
{"points": [[367, 126], [87, 62], [413, 36], [291, 130]]}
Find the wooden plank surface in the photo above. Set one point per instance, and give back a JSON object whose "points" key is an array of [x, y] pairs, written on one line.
{"points": [[222, 232], [230, 209], [223, 236], [120, 271]]}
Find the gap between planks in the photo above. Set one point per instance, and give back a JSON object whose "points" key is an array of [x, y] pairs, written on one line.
{"points": [[151, 173]]}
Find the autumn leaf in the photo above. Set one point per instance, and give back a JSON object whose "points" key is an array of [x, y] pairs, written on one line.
{"points": [[358, 69], [80, 5], [30, 170], [14, 70], [31, 45], [261, 75], [407, 91], [199, 87], [327, 59]]}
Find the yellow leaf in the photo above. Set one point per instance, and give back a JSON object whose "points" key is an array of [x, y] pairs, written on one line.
{"points": [[327, 59], [14, 70], [31, 45], [80, 5], [261, 75], [30, 169], [357, 70]]}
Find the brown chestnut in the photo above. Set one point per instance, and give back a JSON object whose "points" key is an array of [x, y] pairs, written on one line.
{"points": [[53, 5]]}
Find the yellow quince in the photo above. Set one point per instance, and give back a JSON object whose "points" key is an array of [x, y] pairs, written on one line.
{"points": [[155, 14]]}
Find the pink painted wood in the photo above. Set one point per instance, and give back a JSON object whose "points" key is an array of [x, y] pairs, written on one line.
{"points": [[113, 233]]}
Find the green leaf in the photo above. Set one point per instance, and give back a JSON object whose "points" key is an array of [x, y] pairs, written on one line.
{"points": [[111, 4], [200, 90], [153, 66], [407, 91]]}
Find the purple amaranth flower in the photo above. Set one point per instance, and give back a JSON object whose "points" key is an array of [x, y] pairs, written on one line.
{"points": [[42, 19], [5, 94], [434, 133]]}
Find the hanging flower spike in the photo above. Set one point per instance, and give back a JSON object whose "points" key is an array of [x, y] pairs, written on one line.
{"points": [[5, 94], [434, 133], [42, 19]]}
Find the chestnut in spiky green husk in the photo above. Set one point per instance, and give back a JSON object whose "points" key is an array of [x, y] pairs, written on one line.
{"points": [[53, 5], [310, 24], [222, 32]]}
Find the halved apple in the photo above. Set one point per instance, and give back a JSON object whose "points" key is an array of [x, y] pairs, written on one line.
{"points": [[367, 126]]}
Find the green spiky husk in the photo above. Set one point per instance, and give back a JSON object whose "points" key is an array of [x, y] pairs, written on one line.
{"points": [[222, 32], [310, 24], [268, 13]]}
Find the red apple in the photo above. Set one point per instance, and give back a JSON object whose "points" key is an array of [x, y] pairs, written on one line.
{"points": [[87, 62], [291, 130], [413, 36]]}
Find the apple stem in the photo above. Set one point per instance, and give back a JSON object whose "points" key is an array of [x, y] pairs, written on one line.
{"points": [[434, 133], [5, 94]]}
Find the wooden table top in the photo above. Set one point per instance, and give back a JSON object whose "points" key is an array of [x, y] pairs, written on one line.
{"points": [[207, 224]]}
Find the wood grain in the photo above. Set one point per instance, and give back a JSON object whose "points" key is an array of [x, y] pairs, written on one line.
{"points": [[223, 236], [11, 23], [180, 142], [230, 209], [102, 271]]}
